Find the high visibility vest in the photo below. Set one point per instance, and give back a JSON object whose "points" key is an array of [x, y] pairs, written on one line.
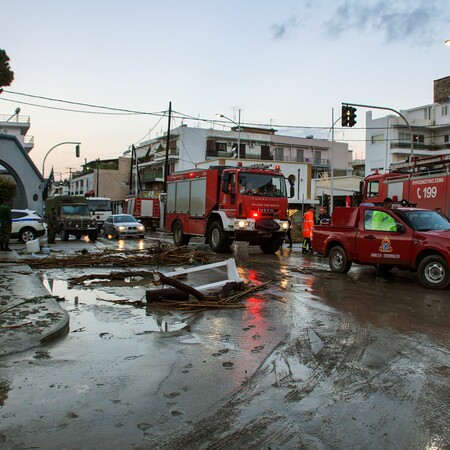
{"points": [[308, 223]]}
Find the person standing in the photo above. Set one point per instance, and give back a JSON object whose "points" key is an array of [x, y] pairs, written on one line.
{"points": [[288, 233], [5, 226], [52, 225], [308, 224]]}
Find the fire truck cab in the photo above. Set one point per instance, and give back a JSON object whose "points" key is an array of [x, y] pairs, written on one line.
{"points": [[226, 204]]}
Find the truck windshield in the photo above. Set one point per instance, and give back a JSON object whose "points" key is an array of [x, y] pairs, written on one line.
{"points": [[99, 204], [426, 220], [267, 185], [81, 210]]}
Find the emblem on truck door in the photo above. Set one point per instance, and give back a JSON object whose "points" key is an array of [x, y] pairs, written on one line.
{"points": [[385, 245]]}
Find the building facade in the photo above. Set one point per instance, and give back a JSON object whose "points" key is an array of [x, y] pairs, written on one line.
{"points": [[389, 140]]}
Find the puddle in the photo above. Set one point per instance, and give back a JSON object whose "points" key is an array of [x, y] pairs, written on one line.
{"points": [[93, 311]]}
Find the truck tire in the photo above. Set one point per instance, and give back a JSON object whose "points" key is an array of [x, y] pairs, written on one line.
{"points": [[218, 239], [179, 238], [64, 234], [27, 234], [93, 236], [434, 272], [338, 260], [273, 244]]}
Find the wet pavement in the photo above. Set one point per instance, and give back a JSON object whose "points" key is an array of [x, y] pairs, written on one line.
{"points": [[318, 360]]}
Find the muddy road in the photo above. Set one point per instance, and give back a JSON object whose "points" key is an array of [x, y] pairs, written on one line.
{"points": [[318, 360]]}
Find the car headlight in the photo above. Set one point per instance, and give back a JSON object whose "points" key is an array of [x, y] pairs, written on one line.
{"points": [[121, 228], [141, 228]]}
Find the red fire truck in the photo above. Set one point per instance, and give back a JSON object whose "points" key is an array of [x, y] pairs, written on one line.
{"points": [[420, 181], [226, 204], [145, 209]]}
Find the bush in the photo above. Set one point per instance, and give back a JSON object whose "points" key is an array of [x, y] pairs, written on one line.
{"points": [[7, 188]]}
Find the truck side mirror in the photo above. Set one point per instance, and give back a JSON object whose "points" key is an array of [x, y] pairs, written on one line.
{"points": [[292, 191], [400, 228]]}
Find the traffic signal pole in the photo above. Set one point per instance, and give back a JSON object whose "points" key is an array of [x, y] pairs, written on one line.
{"points": [[387, 109]]}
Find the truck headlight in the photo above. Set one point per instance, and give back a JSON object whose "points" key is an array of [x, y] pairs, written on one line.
{"points": [[69, 223], [285, 226], [243, 224]]}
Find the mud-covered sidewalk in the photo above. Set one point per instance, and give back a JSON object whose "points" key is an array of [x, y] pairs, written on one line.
{"points": [[29, 315]]}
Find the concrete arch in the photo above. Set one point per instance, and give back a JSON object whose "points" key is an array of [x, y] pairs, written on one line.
{"points": [[29, 180]]}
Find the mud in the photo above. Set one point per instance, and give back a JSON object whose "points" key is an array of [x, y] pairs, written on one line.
{"points": [[317, 361]]}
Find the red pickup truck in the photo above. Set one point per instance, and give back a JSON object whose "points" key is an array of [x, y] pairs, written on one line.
{"points": [[408, 238]]}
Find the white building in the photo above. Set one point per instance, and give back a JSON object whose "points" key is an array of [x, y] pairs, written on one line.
{"points": [[305, 158], [388, 139], [18, 126]]}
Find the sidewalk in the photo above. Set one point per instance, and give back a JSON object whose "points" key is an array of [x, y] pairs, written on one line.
{"points": [[29, 315]]}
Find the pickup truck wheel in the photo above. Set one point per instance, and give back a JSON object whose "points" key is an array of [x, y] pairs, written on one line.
{"points": [[434, 272], [272, 245], [338, 261], [64, 234], [179, 238], [218, 239]]}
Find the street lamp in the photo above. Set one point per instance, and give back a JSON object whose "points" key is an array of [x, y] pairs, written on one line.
{"points": [[238, 130], [447, 42], [16, 113], [77, 152]]}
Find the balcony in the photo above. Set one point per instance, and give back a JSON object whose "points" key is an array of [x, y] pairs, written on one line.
{"points": [[420, 145]]}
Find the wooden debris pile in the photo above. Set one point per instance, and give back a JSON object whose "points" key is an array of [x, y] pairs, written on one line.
{"points": [[158, 254]]}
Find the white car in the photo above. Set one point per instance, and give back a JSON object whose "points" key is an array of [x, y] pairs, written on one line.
{"points": [[123, 225], [26, 225]]}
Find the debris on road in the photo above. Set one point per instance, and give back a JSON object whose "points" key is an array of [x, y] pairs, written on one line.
{"points": [[156, 254]]}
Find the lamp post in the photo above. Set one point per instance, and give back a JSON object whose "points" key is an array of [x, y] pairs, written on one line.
{"points": [[77, 152], [447, 42], [238, 130]]}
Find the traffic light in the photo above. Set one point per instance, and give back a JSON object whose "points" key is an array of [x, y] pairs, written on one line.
{"points": [[348, 116], [77, 151]]}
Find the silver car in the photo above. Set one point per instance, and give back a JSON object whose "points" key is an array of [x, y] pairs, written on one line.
{"points": [[123, 225]]}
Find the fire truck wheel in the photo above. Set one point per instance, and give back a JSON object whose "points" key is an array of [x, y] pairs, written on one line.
{"points": [[338, 260], [179, 238], [272, 245], [218, 239], [434, 272]]}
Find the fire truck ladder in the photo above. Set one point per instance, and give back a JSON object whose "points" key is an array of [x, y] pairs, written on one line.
{"points": [[428, 163]]}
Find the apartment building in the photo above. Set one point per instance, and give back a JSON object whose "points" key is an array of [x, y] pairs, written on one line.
{"points": [[304, 157], [426, 132]]}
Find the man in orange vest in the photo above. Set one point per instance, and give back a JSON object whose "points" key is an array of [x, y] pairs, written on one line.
{"points": [[308, 224]]}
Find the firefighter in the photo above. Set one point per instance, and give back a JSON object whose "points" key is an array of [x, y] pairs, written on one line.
{"points": [[52, 224], [308, 224], [382, 221], [5, 225]]}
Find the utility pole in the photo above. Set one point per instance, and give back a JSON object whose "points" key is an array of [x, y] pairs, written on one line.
{"points": [[166, 163]]}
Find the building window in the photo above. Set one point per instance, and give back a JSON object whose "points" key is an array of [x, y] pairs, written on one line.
{"points": [[221, 146], [444, 110], [279, 153], [446, 138], [300, 154], [419, 138], [317, 157], [377, 138]]}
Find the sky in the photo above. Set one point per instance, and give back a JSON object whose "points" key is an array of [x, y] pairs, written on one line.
{"points": [[285, 63]]}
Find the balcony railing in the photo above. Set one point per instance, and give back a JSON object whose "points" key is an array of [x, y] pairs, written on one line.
{"points": [[282, 158], [420, 145], [14, 119], [151, 176]]}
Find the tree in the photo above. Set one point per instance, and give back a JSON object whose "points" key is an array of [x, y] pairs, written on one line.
{"points": [[6, 74], [7, 188]]}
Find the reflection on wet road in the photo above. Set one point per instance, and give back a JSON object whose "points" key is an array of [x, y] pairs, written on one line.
{"points": [[318, 360]]}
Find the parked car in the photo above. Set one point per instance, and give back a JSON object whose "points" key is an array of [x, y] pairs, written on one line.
{"points": [[123, 225], [26, 225]]}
